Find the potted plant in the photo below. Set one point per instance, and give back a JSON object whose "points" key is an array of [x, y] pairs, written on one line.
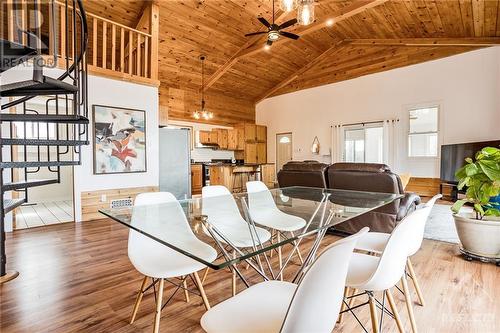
{"points": [[479, 230]]}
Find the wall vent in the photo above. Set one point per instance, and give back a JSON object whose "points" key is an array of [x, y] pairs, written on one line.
{"points": [[121, 203]]}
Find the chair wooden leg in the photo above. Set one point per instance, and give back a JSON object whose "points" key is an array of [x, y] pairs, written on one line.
{"points": [[202, 290], [415, 282], [409, 304], [351, 300], [373, 314], [343, 307], [205, 275], [186, 292], [138, 299], [280, 258], [233, 281], [394, 310], [159, 304]]}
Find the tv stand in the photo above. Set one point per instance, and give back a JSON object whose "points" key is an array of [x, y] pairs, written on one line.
{"points": [[454, 190]]}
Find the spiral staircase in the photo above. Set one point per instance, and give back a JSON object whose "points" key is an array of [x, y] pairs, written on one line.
{"points": [[53, 133]]}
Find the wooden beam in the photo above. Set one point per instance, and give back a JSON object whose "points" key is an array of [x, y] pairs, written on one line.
{"points": [[468, 41], [231, 61], [302, 70], [348, 11], [154, 30]]}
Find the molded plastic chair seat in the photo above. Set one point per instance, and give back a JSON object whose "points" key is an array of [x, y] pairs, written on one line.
{"points": [[361, 268], [177, 264], [373, 242], [261, 308], [263, 209]]}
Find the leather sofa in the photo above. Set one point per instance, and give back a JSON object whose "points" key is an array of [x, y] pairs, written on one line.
{"points": [[358, 177]]}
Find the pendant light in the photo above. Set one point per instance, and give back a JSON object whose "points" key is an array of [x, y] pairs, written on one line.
{"points": [[305, 13], [288, 5], [202, 113]]}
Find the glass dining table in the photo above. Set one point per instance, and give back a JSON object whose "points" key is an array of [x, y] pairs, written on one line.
{"points": [[248, 227]]}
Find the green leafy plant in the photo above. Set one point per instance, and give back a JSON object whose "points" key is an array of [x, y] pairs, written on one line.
{"points": [[481, 177]]}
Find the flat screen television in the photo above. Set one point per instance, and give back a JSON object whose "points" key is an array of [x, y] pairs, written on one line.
{"points": [[453, 157]]}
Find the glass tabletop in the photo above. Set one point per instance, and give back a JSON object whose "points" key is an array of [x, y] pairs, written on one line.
{"points": [[241, 226]]}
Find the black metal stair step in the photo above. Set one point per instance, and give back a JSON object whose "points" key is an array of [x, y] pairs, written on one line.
{"points": [[11, 204], [45, 118], [28, 183], [46, 86], [40, 142], [14, 54], [35, 164]]}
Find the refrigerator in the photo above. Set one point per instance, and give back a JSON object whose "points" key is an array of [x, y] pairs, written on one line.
{"points": [[175, 161]]}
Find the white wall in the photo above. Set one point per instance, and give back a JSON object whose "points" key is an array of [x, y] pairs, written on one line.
{"points": [[466, 86], [117, 93], [110, 92]]}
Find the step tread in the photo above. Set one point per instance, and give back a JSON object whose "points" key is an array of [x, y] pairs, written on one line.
{"points": [[48, 86], [56, 118], [11, 204], [14, 54], [28, 183], [42, 142]]}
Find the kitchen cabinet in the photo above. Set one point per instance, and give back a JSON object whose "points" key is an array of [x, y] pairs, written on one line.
{"points": [[261, 133], [251, 153], [232, 139], [214, 137], [222, 138], [196, 178], [204, 137], [261, 153]]}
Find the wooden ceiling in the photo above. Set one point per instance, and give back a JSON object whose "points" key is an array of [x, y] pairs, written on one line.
{"points": [[367, 36]]}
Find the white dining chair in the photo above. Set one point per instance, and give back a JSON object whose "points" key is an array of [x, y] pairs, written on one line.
{"points": [[219, 205], [165, 219], [375, 242], [276, 306], [372, 273], [263, 210]]}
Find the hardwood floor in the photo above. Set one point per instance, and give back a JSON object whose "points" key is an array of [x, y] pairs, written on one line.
{"points": [[77, 278]]}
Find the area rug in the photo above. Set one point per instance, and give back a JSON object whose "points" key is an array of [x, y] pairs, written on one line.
{"points": [[440, 225]]}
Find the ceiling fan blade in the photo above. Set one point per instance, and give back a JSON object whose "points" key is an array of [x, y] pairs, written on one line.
{"points": [[256, 33], [287, 24], [264, 22], [289, 35]]}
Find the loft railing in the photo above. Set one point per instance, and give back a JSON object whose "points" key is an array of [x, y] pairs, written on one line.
{"points": [[113, 50]]}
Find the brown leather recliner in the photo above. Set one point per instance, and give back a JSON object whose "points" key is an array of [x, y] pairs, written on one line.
{"points": [[357, 177], [372, 177]]}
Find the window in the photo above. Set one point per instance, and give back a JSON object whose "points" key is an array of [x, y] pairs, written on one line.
{"points": [[363, 143], [423, 132]]}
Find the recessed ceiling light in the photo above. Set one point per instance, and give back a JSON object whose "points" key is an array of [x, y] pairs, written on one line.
{"points": [[329, 22]]}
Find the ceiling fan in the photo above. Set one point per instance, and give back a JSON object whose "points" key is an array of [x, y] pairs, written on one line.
{"points": [[274, 31]]}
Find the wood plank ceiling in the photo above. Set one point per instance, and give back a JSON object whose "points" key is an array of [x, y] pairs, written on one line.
{"points": [[367, 36]]}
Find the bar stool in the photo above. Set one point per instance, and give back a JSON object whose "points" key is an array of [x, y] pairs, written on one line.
{"points": [[238, 175]]}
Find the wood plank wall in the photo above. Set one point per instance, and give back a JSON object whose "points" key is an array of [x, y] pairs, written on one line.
{"points": [[91, 201], [180, 105]]}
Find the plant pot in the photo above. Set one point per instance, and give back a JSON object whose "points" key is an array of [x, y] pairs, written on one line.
{"points": [[479, 237]]}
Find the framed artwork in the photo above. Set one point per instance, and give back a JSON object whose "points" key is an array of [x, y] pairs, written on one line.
{"points": [[119, 140]]}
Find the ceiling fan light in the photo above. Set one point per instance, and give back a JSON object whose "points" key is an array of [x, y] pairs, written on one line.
{"points": [[273, 35], [288, 5], [305, 13], [196, 115]]}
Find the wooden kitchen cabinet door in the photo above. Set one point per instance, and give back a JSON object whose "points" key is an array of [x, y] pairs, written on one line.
{"points": [[222, 138], [261, 133], [250, 133], [196, 178], [204, 137], [232, 139], [261, 153], [251, 153], [241, 139], [213, 137]]}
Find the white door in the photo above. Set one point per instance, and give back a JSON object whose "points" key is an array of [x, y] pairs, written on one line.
{"points": [[283, 149]]}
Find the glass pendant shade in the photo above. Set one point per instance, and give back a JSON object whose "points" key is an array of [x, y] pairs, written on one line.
{"points": [[288, 5], [305, 13]]}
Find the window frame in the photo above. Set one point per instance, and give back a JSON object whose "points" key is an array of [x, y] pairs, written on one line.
{"points": [[407, 110], [359, 126]]}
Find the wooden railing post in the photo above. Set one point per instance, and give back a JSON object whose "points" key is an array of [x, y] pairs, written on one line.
{"points": [[154, 31]]}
